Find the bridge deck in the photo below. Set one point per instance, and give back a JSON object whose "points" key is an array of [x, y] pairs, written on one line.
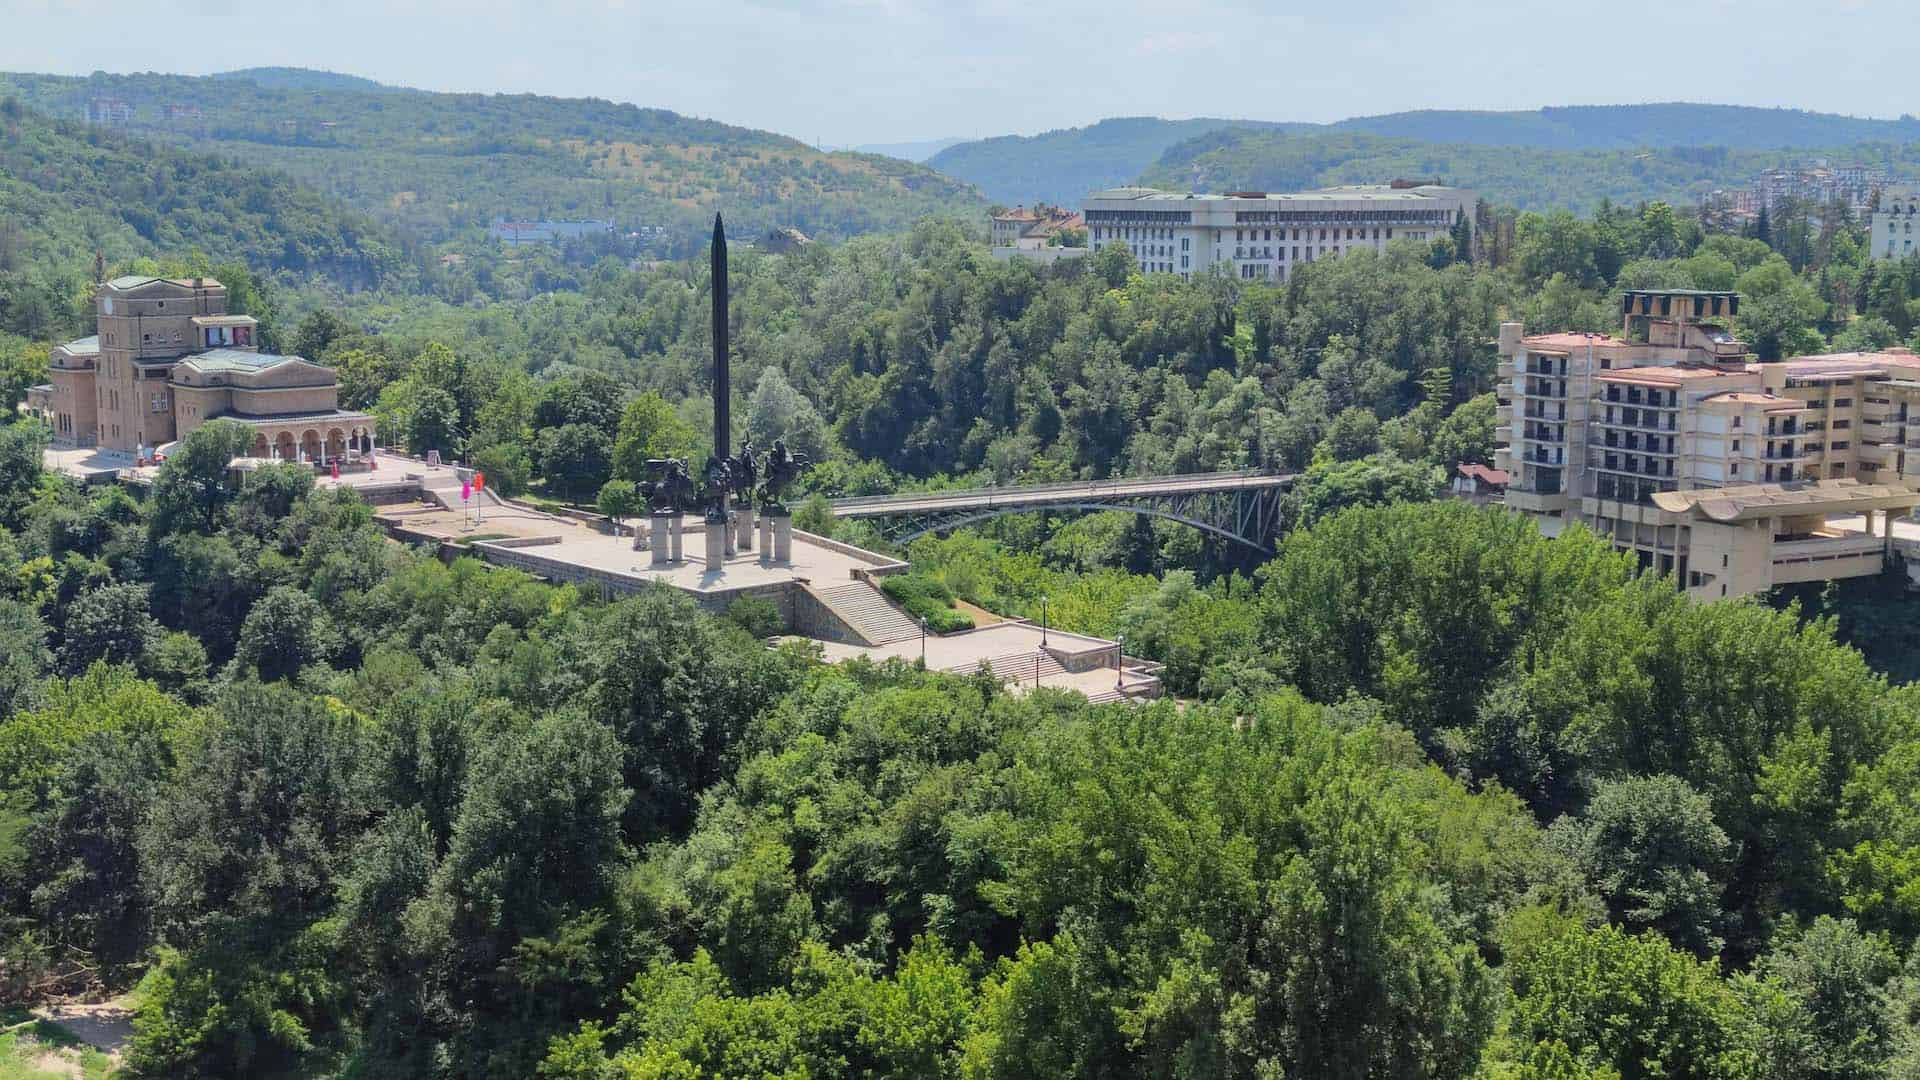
{"points": [[1040, 496]]}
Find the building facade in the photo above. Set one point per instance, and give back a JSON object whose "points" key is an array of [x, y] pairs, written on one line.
{"points": [[1037, 234], [167, 358], [1256, 235], [1890, 233], [1730, 475]]}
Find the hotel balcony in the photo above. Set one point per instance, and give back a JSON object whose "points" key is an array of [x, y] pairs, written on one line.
{"points": [[1801, 452], [1503, 434], [1503, 370], [1876, 431]]}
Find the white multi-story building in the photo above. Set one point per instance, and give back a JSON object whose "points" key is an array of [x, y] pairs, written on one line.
{"points": [[1256, 235], [1891, 235], [1735, 477]]}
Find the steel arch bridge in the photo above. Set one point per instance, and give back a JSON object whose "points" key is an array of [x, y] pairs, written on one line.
{"points": [[1241, 507]]}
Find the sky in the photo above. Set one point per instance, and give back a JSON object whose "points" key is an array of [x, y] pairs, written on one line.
{"points": [[843, 72]]}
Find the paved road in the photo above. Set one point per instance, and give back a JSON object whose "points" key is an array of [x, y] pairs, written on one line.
{"points": [[1040, 496]]}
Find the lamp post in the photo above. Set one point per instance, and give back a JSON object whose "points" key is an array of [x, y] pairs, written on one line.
{"points": [[923, 642], [1119, 668], [1043, 622]]}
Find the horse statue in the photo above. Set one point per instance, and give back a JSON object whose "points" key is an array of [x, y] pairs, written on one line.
{"points": [[671, 489], [745, 472], [783, 468]]}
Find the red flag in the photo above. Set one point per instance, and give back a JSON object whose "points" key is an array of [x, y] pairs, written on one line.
{"points": [[479, 481]]}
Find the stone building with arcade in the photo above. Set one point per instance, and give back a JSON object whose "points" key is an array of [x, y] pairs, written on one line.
{"points": [[167, 357]]}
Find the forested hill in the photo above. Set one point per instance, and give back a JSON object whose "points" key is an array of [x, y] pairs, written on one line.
{"points": [[68, 192], [1061, 166], [1619, 127], [1064, 165], [442, 165], [1526, 177], [292, 78]]}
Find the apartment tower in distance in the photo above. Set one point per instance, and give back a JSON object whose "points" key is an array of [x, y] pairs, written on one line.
{"points": [[1258, 236], [1890, 232], [1732, 476]]}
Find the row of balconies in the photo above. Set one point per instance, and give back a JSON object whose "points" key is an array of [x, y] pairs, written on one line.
{"points": [[1650, 399], [1623, 464]]}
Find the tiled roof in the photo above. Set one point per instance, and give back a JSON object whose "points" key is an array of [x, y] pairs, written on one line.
{"points": [[1483, 473]]}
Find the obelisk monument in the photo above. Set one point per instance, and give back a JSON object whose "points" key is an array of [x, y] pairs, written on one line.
{"points": [[720, 531]]}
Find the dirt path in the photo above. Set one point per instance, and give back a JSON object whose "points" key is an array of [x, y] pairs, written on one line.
{"points": [[106, 1025]]}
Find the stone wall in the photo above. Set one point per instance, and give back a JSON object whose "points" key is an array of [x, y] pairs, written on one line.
{"points": [[814, 618]]}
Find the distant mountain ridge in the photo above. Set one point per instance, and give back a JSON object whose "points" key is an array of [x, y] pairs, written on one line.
{"points": [[1062, 166], [918, 151], [441, 165], [1536, 178], [1622, 127]]}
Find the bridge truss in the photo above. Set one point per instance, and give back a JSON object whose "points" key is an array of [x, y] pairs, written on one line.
{"points": [[1241, 508]]}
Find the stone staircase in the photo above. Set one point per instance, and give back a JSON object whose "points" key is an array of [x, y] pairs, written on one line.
{"points": [[1019, 667], [868, 611]]}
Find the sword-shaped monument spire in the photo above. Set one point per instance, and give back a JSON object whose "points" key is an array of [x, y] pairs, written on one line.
{"points": [[722, 376]]}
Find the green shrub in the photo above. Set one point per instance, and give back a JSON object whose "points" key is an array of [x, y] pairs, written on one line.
{"points": [[928, 598], [757, 616]]}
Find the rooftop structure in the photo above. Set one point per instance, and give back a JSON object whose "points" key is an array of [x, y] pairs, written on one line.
{"points": [[1649, 437], [1260, 235]]}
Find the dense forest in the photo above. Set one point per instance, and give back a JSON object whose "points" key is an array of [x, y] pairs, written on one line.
{"points": [[442, 166], [1441, 797], [1471, 803], [1061, 166]]}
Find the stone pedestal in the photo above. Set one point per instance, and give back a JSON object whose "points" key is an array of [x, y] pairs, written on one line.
{"points": [[726, 532], [716, 546], [676, 532], [659, 526], [743, 528], [766, 539], [783, 538]]}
